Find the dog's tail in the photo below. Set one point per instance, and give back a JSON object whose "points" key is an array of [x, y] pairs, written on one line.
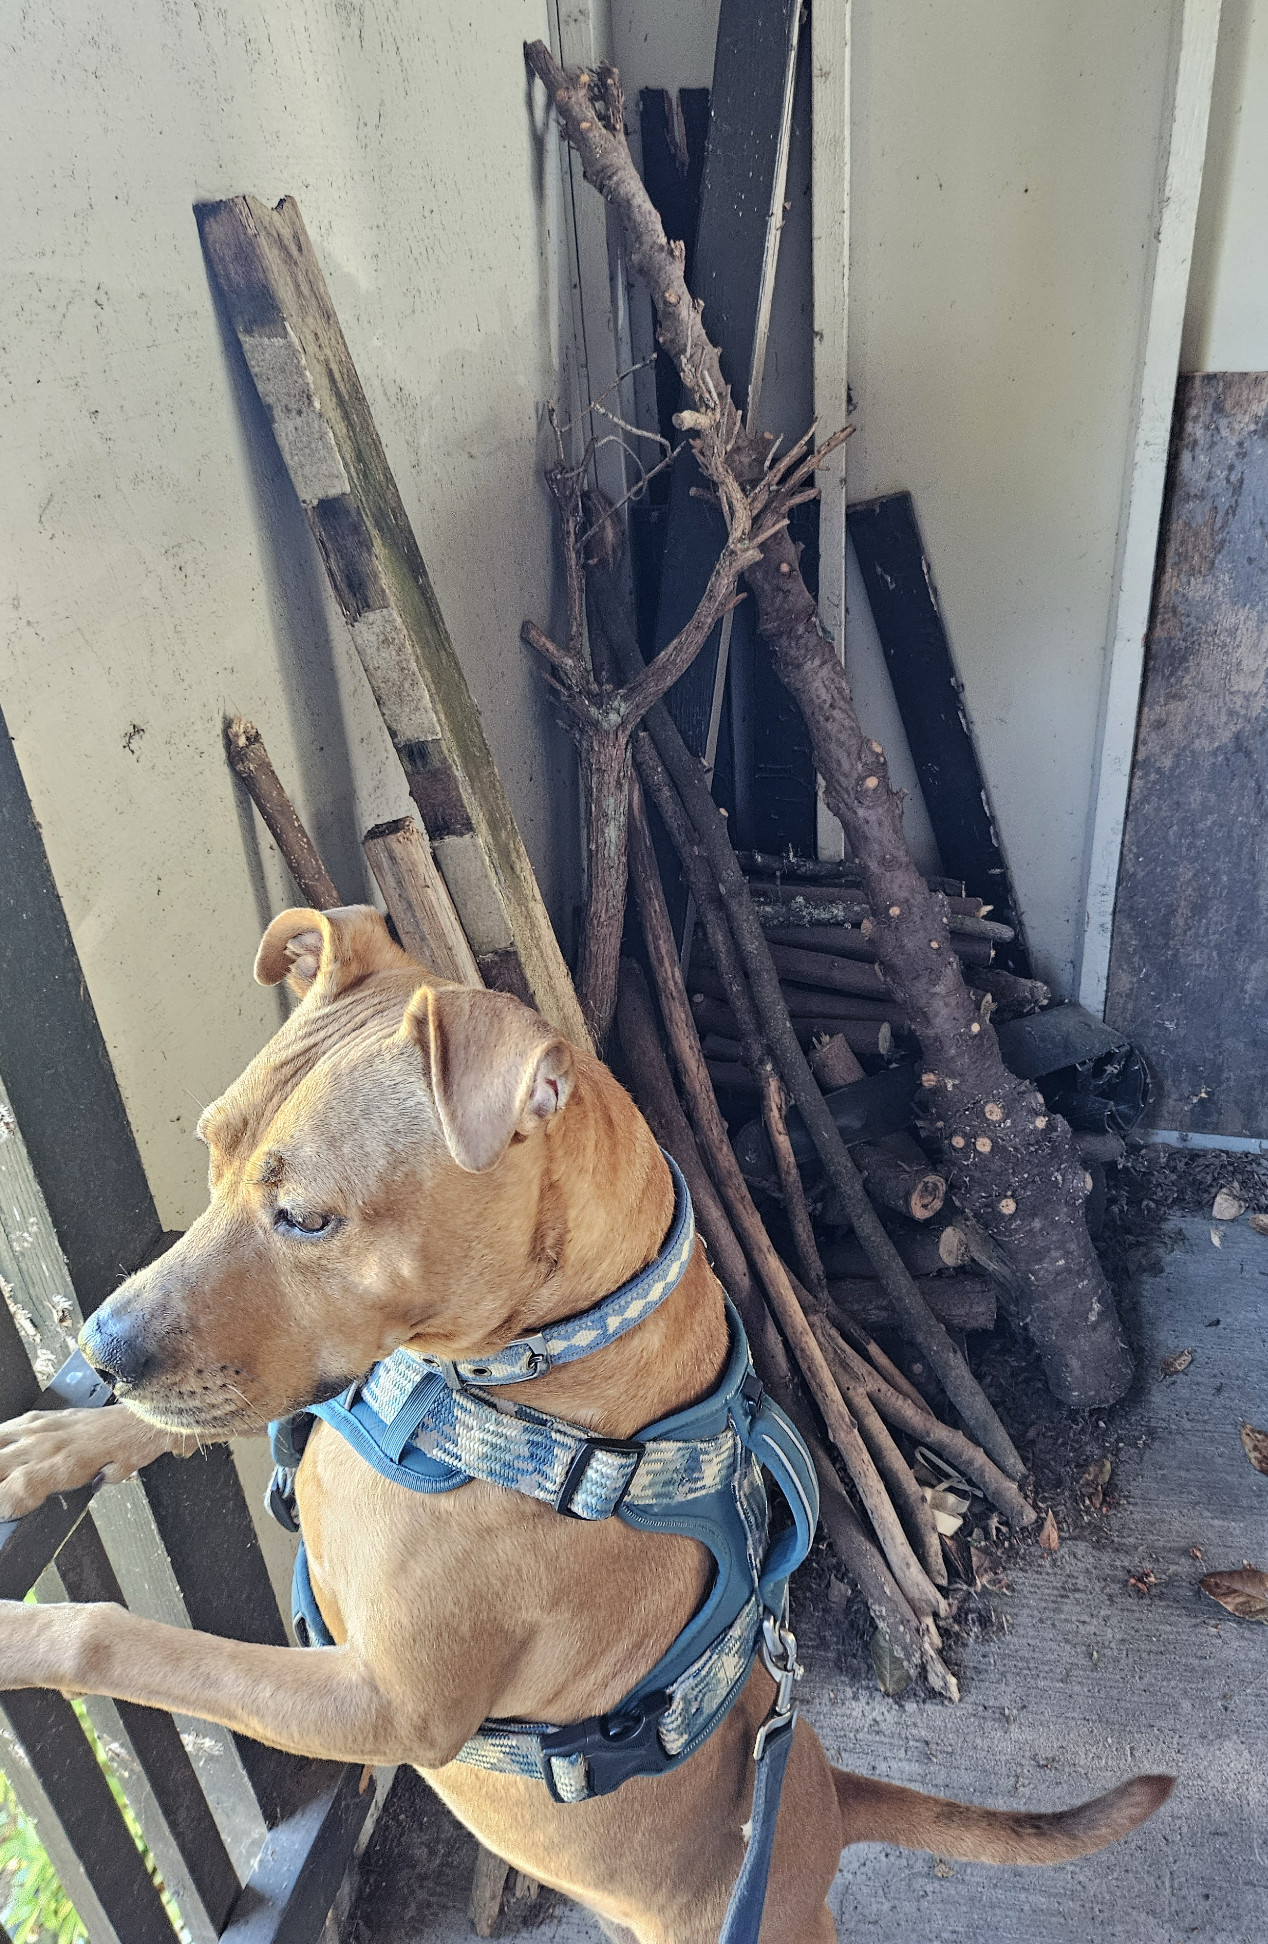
{"points": [[882, 1812]]}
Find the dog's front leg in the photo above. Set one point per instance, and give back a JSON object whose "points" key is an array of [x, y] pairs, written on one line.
{"points": [[325, 1701], [54, 1451]]}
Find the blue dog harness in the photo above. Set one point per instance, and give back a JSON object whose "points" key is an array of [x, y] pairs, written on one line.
{"points": [[423, 1423]]}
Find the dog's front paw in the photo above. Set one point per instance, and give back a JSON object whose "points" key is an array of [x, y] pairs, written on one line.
{"points": [[54, 1451]]}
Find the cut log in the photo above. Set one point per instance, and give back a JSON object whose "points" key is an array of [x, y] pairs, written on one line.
{"points": [[418, 900], [813, 1006], [828, 974], [1014, 997], [834, 1062], [918, 1191], [958, 1302], [926, 1251]]}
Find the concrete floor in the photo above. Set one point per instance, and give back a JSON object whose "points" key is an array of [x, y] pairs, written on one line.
{"points": [[1092, 1682]]}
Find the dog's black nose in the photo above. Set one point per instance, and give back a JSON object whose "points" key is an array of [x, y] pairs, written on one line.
{"points": [[116, 1346]]}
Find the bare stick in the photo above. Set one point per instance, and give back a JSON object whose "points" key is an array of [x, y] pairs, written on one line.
{"points": [[249, 760], [921, 1422], [602, 717], [1026, 1185], [654, 1091], [900, 1481], [918, 1589]]}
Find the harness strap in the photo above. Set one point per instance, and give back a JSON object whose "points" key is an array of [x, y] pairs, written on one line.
{"points": [[439, 1437]]}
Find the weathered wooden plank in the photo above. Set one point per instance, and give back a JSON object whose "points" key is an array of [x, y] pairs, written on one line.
{"points": [[419, 901], [88, 1822], [86, 1574], [301, 1867], [904, 602], [1189, 966], [280, 309], [831, 43]]}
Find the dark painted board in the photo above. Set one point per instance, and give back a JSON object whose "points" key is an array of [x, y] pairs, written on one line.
{"points": [[86, 1574], [1189, 961], [748, 112], [211, 1541], [301, 1867], [56, 1067], [76, 1129], [904, 602], [77, 1790]]}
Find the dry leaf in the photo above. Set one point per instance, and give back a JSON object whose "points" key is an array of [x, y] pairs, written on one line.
{"points": [[1259, 1222], [1049, 1537], [1227, 1206], [1243, 1593], [986, 1573], [1144, 1581], [1255, 1444], [1097, 1476], [1218, 1238], [1195, 1552], [1172, 1366], [893, 1674]]}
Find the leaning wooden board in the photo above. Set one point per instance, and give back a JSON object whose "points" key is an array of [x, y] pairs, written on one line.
{"points": [[1189, 962], [277, 301]]}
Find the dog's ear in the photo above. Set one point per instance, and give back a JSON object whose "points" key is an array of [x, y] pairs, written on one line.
{"points": [[328, 950], [497, 1069]]}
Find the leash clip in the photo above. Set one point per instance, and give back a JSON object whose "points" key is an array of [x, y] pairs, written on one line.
{"points": [[779, 1657]]}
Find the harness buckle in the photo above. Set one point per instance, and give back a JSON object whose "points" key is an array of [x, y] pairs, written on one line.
{"points": [[614, 1747], [623, 1447]]}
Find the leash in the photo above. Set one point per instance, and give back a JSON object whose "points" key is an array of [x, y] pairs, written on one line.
{"points": [[422, 1422]]}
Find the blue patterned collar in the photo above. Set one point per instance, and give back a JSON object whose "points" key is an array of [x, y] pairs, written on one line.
{"points": [[574, 1336]]}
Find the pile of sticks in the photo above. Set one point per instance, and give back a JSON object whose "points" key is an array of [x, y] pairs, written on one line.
{"points": [[811, 1335], [1012, 1167]]}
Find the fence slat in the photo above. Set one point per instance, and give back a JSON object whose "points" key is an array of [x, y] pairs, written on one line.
{"points": [[86, 1574], [301, 1867], [205, 1524], [67, 1770]]}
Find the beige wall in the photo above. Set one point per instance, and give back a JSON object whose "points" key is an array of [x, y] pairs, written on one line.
{"points": [[1005, 155], [158, 570], [1226, 322]]}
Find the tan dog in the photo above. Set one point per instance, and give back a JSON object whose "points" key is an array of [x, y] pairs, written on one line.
{"points": [[409, 1162]]}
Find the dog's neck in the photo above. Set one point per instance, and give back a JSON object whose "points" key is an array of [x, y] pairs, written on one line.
{"points": [[595, 1193]]}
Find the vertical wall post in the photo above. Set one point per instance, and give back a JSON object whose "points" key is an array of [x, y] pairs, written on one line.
{"points": [[1192, 68], [830, 28]]}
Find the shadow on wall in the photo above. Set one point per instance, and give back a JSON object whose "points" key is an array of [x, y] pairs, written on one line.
{"points": [[304, 628]]}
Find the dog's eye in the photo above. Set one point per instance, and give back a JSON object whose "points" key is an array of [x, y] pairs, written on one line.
{"points": [[292, 1223]]}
